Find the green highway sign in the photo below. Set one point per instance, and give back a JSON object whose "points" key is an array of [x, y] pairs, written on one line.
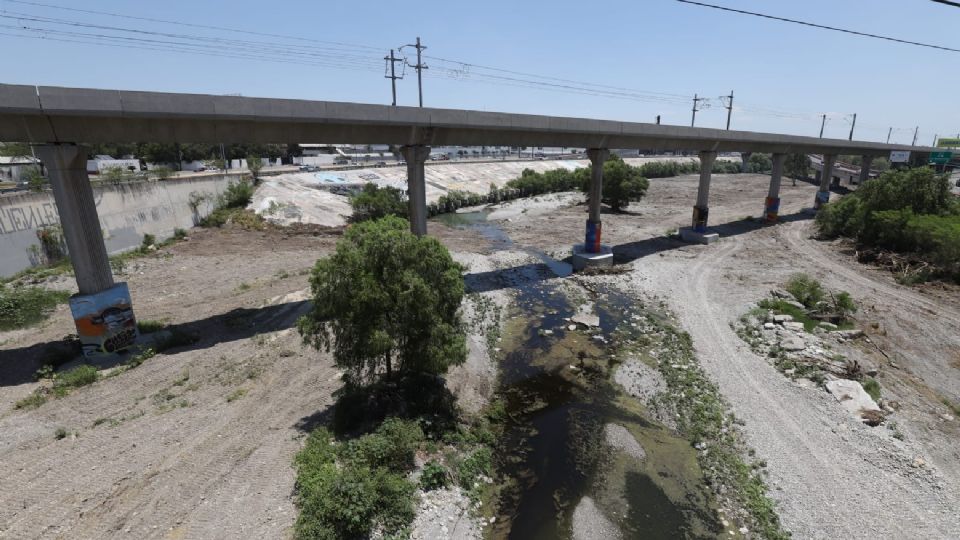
{"points": [[939, 158]]}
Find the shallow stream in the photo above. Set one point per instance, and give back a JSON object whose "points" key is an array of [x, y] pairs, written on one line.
{"points": [[555, 381]]}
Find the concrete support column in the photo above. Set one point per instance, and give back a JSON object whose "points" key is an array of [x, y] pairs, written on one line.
{"points": [[67, 169], [597, 157], [416, 156], [826, 176], [745, 161], [772, 206], [701, 210], [867, 162], [102, 311]]}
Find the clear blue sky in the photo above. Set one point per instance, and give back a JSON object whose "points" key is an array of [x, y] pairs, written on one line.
{"points": [[647, 45]]}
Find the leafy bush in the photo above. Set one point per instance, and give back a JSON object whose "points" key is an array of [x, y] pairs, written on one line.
{"points": [[843, 305], [148, 240], [759, 163], [237, 195], [387, 301], [23, 306], [391, 446], [797, 166], [241, 217], [805, 289], [433, 476], [622, 183], [375, 202], [179, 233], [469, 470], [347, 500], [905, 210]]}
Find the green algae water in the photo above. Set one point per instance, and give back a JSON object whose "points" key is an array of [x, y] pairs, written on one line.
{"points": [[556, 386]]}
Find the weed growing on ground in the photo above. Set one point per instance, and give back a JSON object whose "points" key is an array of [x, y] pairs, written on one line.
{"points": [[236, 394], [74, 378], [872, 387], [955, 407], [149, 327], [60, 433], [22, 306], [182, 380], [32, 401]]}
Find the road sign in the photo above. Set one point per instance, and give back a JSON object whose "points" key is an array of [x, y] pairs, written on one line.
{"points": [[939, 158], [899, 156], [948, 142]]}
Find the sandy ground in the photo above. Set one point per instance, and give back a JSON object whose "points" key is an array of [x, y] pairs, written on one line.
{"points": [[175, 459]]}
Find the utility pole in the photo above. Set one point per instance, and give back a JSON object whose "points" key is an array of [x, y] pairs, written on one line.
{"points": [[696, 100], [729, 108], [890, 131], [658, 119], [935, 137], [419, 67], [393, 76], [822, 124], [223, 158], [853, 125]]}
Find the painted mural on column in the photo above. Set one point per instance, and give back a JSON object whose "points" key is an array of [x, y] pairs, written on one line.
{"points": [[105, 320]]}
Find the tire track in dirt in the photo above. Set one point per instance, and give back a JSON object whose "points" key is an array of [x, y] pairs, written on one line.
{"points": [[829, 483]]}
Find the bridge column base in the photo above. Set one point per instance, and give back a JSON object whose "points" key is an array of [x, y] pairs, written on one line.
{"points": [[688, 234], [771, 210], [584, 258], [822, 198]]}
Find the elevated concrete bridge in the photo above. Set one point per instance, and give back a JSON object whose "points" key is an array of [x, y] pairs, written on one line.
{"points": [[56, 119]]}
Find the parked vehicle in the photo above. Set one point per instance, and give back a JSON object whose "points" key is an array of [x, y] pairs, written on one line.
{"points": [[381, 164]]}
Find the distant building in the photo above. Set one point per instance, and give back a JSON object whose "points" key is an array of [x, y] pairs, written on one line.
{"points": [[100, 164], [14, 169]]}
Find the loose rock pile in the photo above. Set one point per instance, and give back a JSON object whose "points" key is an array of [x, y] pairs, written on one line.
{"points": [[800, 354]]}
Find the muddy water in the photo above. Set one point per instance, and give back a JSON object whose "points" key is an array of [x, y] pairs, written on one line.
{"points": [[558, 394]]}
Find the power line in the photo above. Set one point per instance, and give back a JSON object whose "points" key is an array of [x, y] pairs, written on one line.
{"points": [[824, 27], [181, 23], [947, 3]]}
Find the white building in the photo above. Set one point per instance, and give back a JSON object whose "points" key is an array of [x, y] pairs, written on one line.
{"points": [[14, 168], [100, 164]]}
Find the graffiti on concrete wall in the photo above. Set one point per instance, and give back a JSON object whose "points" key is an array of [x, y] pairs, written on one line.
{"points": [[105, 321], [23, 218]]}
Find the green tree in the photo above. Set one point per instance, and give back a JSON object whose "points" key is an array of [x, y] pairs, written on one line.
{"points": [[35, 182], [387, 302], [15, 149], [759, 163], [375, 202], [255, 164], [797, 166], [622, 183]]}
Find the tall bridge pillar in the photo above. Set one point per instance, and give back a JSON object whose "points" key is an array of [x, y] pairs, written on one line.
{"points": [[866, 163], [102, 310], [772, 206], [592, 252], [698, 231], [826, 175], [416, 156]]}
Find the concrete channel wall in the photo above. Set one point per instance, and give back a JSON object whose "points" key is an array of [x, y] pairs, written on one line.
{"points": [[127, 212]]}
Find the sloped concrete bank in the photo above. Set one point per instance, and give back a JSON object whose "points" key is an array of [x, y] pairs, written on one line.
{"points": [[127, 212]]}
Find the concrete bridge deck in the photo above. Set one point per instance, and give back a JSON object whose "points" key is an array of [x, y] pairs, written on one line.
{"points": [[53, 114]]}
